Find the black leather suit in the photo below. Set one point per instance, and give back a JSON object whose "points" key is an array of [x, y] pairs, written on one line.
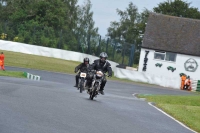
{"points": [[83, 68]]}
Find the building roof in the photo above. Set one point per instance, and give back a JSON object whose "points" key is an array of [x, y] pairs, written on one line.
{"points": [[172, 34]]}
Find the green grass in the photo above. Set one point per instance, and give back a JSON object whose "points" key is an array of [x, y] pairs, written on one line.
{"points": [[12, 74], [39, 62], [184, 108], [135, 65]]}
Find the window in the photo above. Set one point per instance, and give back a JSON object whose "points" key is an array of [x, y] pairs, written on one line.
{"points": [[170, 57], [159, 56], [167, 56]]}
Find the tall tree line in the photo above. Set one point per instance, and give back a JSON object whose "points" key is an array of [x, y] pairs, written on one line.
{"points": [[52, 23]]}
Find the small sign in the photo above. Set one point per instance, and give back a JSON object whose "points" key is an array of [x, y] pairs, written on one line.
{"points": [[83, 75], [191, 65]]}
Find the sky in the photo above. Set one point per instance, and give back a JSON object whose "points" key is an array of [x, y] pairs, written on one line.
{"points": [[105, 10]]}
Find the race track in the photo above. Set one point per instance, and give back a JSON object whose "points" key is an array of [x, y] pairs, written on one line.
{"points": [[53, 105]]}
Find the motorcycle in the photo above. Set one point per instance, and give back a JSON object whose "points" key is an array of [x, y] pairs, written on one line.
{"points": [[96, 84], [82, 81]]}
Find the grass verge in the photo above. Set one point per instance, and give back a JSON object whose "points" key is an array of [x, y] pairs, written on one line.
{"points": [[39, 62], [12, 74], [186, 109]]}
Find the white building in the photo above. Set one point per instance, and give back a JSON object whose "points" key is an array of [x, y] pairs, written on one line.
{"points": [[171, 46]]}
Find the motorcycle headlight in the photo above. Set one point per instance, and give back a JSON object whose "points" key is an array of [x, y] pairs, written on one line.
{"points": [[99, 74]]}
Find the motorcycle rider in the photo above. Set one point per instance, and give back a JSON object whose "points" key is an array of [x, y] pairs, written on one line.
{"points": [[83, 67], [103, 65]]}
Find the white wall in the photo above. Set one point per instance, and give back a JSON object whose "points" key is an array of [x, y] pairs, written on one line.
{"points": [[48, 52], [161, 80], [163, 71]]}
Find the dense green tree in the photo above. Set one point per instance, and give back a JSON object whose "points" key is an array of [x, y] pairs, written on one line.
{"points": [[114, 30], [88, 34], [126, 28], [177, 8], [51, 23], [127, 31]]}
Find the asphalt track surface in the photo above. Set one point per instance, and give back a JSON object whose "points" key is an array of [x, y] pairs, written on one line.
{"points": [[53, 105]]}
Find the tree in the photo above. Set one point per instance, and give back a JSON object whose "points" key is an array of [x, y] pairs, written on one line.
{"points": [[35, 21], [177, 8], [52, 23], [127, 27], [86, 31], [72, 13], [126, 30], [114, 30]]}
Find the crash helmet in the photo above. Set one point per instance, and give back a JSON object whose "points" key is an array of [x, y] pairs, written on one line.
{"points": [[103, 56], [86, 60]]}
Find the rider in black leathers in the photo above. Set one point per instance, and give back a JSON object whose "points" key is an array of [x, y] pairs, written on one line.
{"points": [[103, 65], [83, 67]]}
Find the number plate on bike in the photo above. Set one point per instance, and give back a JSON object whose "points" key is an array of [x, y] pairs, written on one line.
{"points": [[83, 75]]}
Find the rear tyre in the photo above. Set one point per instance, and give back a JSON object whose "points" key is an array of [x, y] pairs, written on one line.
{"points": [[81, 85]]}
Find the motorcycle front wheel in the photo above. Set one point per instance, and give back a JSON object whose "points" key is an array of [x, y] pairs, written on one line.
{"points": [[93, 93]]}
